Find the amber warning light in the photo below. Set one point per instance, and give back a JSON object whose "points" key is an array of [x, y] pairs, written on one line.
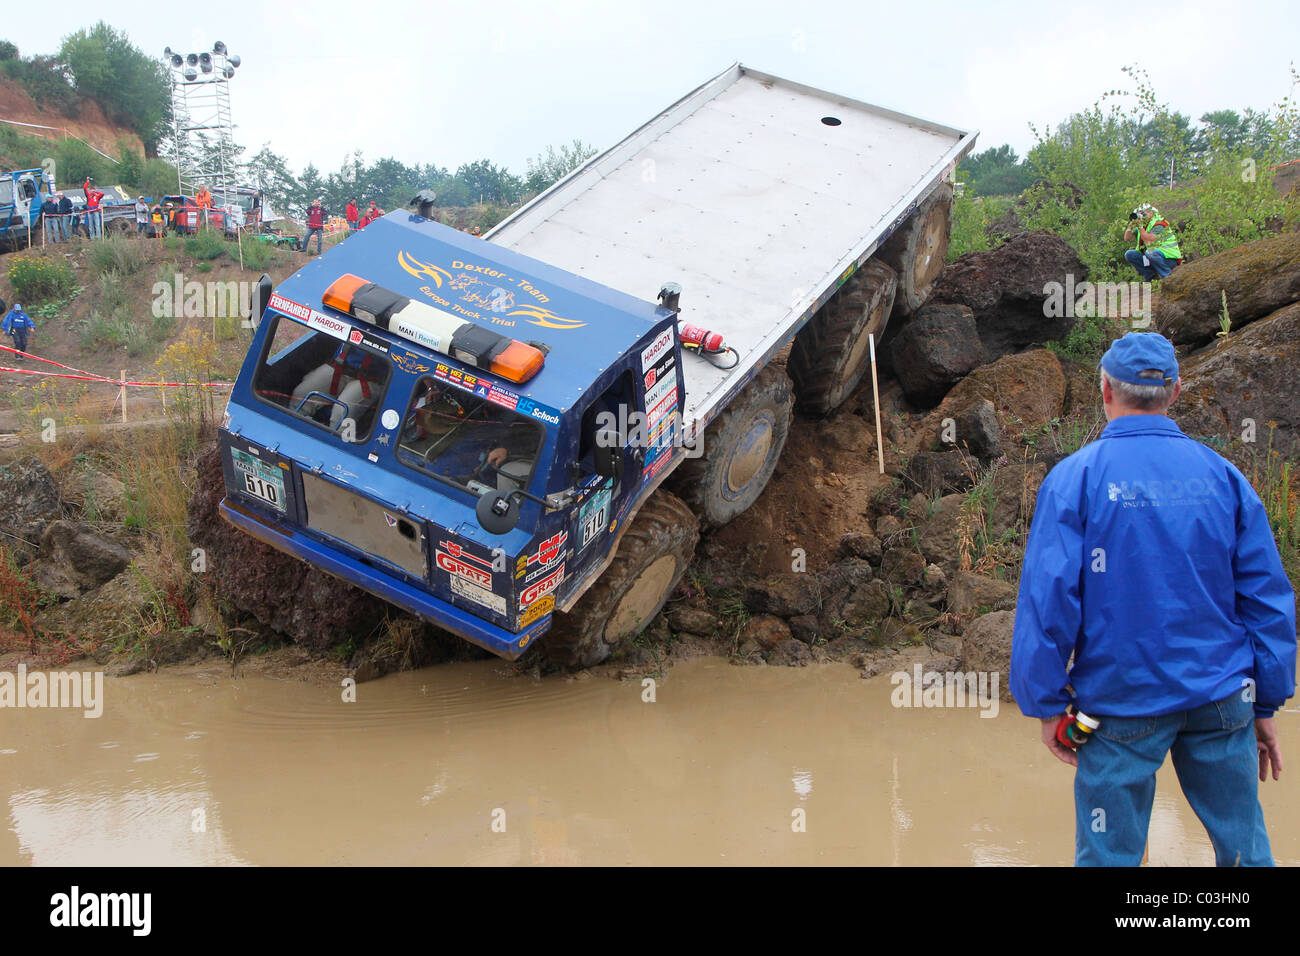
{"points": [[431, 327]]}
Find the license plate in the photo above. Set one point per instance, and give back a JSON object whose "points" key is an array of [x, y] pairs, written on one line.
{"points": [[262, 481]]}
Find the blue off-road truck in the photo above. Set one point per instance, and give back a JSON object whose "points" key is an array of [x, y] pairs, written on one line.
{"points": [[480, 432], [22, 191]]}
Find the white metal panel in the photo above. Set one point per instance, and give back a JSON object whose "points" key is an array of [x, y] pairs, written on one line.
{"points": [[742, 195]]}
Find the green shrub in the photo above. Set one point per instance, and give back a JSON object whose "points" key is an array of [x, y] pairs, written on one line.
{"points": [[116, 255], [37, 279], [971, 218], [206, 244], [259, 256]]}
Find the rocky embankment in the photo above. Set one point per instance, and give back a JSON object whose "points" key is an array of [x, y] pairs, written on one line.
{"points": [[833, 563]]}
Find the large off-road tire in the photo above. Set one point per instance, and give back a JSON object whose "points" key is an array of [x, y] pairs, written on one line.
{"points": [[741, 448], [831, 353], [653, 555], [918, 249]]}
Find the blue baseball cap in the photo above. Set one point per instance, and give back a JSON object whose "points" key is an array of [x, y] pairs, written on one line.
{"points": [[1138, 352]]}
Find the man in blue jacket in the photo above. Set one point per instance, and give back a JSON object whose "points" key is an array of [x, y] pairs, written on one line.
{"points": [[18, 323], [1150, 561]]}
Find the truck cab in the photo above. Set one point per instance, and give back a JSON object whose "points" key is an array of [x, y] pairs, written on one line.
{"points": [[384, 428], [22, 192]]}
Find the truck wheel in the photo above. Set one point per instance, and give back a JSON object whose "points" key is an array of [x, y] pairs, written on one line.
{"points": [[653, 555], [119, 227], [918, 250], [741, 448], [831, 353]]}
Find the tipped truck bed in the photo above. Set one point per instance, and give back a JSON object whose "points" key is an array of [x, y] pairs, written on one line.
{"points": [[743, 195]]}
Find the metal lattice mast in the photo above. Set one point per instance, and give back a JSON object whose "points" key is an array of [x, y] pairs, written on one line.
{"points": [[202, 128]]}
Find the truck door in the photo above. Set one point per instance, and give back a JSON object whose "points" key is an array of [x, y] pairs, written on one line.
{"points": [[614, 412]]}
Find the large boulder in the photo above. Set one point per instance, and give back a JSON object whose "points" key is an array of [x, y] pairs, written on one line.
{"points": [[1250, 375], [1025, 389], [30, 501], [1258, 278], [938, 473], [934, 351], [986, 646], [74, 560], [939, 533], [1007, 288]]}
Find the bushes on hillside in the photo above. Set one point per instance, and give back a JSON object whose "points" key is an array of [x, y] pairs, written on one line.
{"points": [[36, 279]]}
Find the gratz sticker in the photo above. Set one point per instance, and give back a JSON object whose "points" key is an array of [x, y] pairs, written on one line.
{"points": [[535, 592], [462, 569]]}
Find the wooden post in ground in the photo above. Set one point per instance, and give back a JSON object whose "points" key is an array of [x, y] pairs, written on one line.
{"points": [[875, 393], [123, 396]]}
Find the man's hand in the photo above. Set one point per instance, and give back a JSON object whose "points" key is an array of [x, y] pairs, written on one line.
{"points": [[1063, 754], [497, 457], [1270, 752]]}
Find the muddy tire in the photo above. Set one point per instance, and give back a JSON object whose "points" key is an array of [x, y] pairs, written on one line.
{"points": [[653, 555], [119, 227], [741, 449], [918, 250], [831, 353]]}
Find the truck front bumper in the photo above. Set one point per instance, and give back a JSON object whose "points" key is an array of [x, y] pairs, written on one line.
{"points": [[419, 602]]}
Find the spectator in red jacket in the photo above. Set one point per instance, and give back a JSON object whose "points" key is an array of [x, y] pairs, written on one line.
{"points": [[93, 215], [352, 215], [316, 224], [373, 213]]}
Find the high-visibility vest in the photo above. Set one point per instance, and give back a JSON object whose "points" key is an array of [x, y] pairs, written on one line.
{"points": [[1168, 244]]}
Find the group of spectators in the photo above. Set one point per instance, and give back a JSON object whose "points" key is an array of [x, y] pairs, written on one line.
{"points": [[65, 218], [317, 215]]}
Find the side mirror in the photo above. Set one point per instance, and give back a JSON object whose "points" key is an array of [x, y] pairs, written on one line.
{"points": [[609, 454], [497, 513]]}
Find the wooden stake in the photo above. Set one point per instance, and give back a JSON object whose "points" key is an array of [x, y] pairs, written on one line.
{"points": [[875, 393], [123, 395]]}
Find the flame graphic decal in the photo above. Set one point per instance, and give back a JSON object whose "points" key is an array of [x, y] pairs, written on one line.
{"points": [[547, 319], [422, 270]]}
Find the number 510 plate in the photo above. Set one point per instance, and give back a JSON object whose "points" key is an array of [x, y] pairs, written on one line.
{"points": [[259, 479]]}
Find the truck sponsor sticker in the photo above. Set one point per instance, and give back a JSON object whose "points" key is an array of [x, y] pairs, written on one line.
{"points": [[539, 609], [472, 592], [459, 568], [309, 316], [261, 480], [456, 551], [653, 352], [593, 517], [494, 393], [545, 586]]}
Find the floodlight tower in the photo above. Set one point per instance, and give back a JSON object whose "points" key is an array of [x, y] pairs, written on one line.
{"points": [[201, 127]]}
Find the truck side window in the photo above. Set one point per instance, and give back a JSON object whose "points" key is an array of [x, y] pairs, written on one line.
{"points": [[318, 378], [480, 445], [615, 405]]}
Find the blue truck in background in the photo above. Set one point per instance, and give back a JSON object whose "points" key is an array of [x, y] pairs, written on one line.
{"points": [[485, 433], [22, 192]]}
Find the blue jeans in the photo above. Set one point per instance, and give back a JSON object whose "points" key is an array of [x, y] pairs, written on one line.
{"points": [[307, 238], [93, 219], [1216, 760], [1150, 265]]}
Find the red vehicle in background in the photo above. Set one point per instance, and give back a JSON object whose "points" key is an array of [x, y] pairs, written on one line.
{"points": [[184, 215]]}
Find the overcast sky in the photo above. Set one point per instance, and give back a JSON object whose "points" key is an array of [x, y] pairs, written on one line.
{"points": [[453, 82]]}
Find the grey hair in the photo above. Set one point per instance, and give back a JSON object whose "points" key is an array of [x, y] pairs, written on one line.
{"points": [[1146, 398]]}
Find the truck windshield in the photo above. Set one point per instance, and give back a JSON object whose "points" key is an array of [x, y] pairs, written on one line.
{"points": [[320, 379], [477, 444]]}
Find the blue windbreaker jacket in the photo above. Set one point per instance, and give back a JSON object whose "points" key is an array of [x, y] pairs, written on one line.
{"points": [[1151, 560]]}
